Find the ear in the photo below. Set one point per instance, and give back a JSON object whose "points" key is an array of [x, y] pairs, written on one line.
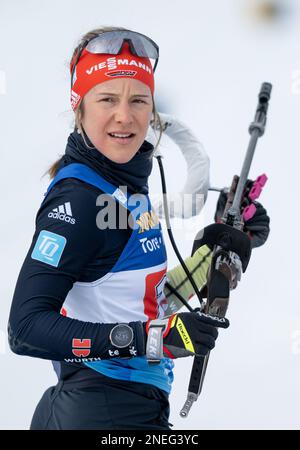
{"points": [[152, 117], [81, 110], [79, 116]]}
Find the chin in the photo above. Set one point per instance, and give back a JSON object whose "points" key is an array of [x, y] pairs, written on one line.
{"points": [[122, 159], [121, 155]]}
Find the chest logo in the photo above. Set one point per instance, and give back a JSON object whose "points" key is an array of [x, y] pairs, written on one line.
{"points": [[147, 221]]}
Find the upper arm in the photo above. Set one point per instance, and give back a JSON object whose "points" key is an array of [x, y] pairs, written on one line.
{"points": [[59, 249], [66, 235]]}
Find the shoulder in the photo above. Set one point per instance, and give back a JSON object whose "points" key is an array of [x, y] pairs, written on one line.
{"points": [[81, 192], [74, 185], [71, 201], [67, 223]]}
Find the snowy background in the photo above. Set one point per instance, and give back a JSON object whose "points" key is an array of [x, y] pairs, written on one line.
{"points": [[213, 58]]}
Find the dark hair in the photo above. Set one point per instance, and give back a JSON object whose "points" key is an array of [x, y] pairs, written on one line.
{"points": [[79, 111]]}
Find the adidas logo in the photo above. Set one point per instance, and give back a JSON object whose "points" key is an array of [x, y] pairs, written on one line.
{"points": [[63, 212]]}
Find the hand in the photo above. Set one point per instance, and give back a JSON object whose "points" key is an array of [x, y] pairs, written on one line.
{"points": [[257, 227], [190, 333]]}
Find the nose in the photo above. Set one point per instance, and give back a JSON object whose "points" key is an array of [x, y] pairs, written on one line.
{"points": [[123, 113]]}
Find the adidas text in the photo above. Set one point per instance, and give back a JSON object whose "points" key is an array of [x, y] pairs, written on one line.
{"points": [[62, 216]]}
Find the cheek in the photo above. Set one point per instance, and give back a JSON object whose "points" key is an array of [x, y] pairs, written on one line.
{"points": [[96, 118]]}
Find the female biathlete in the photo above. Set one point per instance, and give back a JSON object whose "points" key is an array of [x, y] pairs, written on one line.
{"points": [[94, 277]]}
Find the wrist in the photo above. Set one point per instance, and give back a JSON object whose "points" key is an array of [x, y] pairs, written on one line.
{"points": [[126, 340], [155, 330]]}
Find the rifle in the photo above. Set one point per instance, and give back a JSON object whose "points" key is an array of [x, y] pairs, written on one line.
{"points": [[231, 246]]}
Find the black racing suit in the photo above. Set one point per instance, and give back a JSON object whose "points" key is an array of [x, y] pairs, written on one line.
{"points": [[82, 398]]}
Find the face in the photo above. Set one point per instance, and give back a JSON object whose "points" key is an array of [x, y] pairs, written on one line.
{"points": [[119, 106]]}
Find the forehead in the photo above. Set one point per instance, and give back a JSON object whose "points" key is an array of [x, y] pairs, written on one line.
{"points": [[121, 85]]}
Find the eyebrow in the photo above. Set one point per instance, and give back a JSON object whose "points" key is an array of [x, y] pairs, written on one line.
{"points": [[111, 93]]}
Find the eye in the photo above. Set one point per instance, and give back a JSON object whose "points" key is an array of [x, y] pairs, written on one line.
{"points": [[106, 99], [139, 100]]}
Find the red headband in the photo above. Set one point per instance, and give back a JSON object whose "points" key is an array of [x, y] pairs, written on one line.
{"points": [[95, 68]]}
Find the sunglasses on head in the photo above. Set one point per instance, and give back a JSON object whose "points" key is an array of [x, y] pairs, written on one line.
{"points": [[111, 42]]}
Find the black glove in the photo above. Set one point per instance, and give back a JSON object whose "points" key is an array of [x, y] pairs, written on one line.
{"points": [[190, 333], [257, 227]]}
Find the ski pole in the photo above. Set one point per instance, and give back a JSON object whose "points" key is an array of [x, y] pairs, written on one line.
{"points": [[221, 274]]}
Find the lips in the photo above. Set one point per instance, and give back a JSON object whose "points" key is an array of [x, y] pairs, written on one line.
{"points": [[119, 135], [122, 140]]}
